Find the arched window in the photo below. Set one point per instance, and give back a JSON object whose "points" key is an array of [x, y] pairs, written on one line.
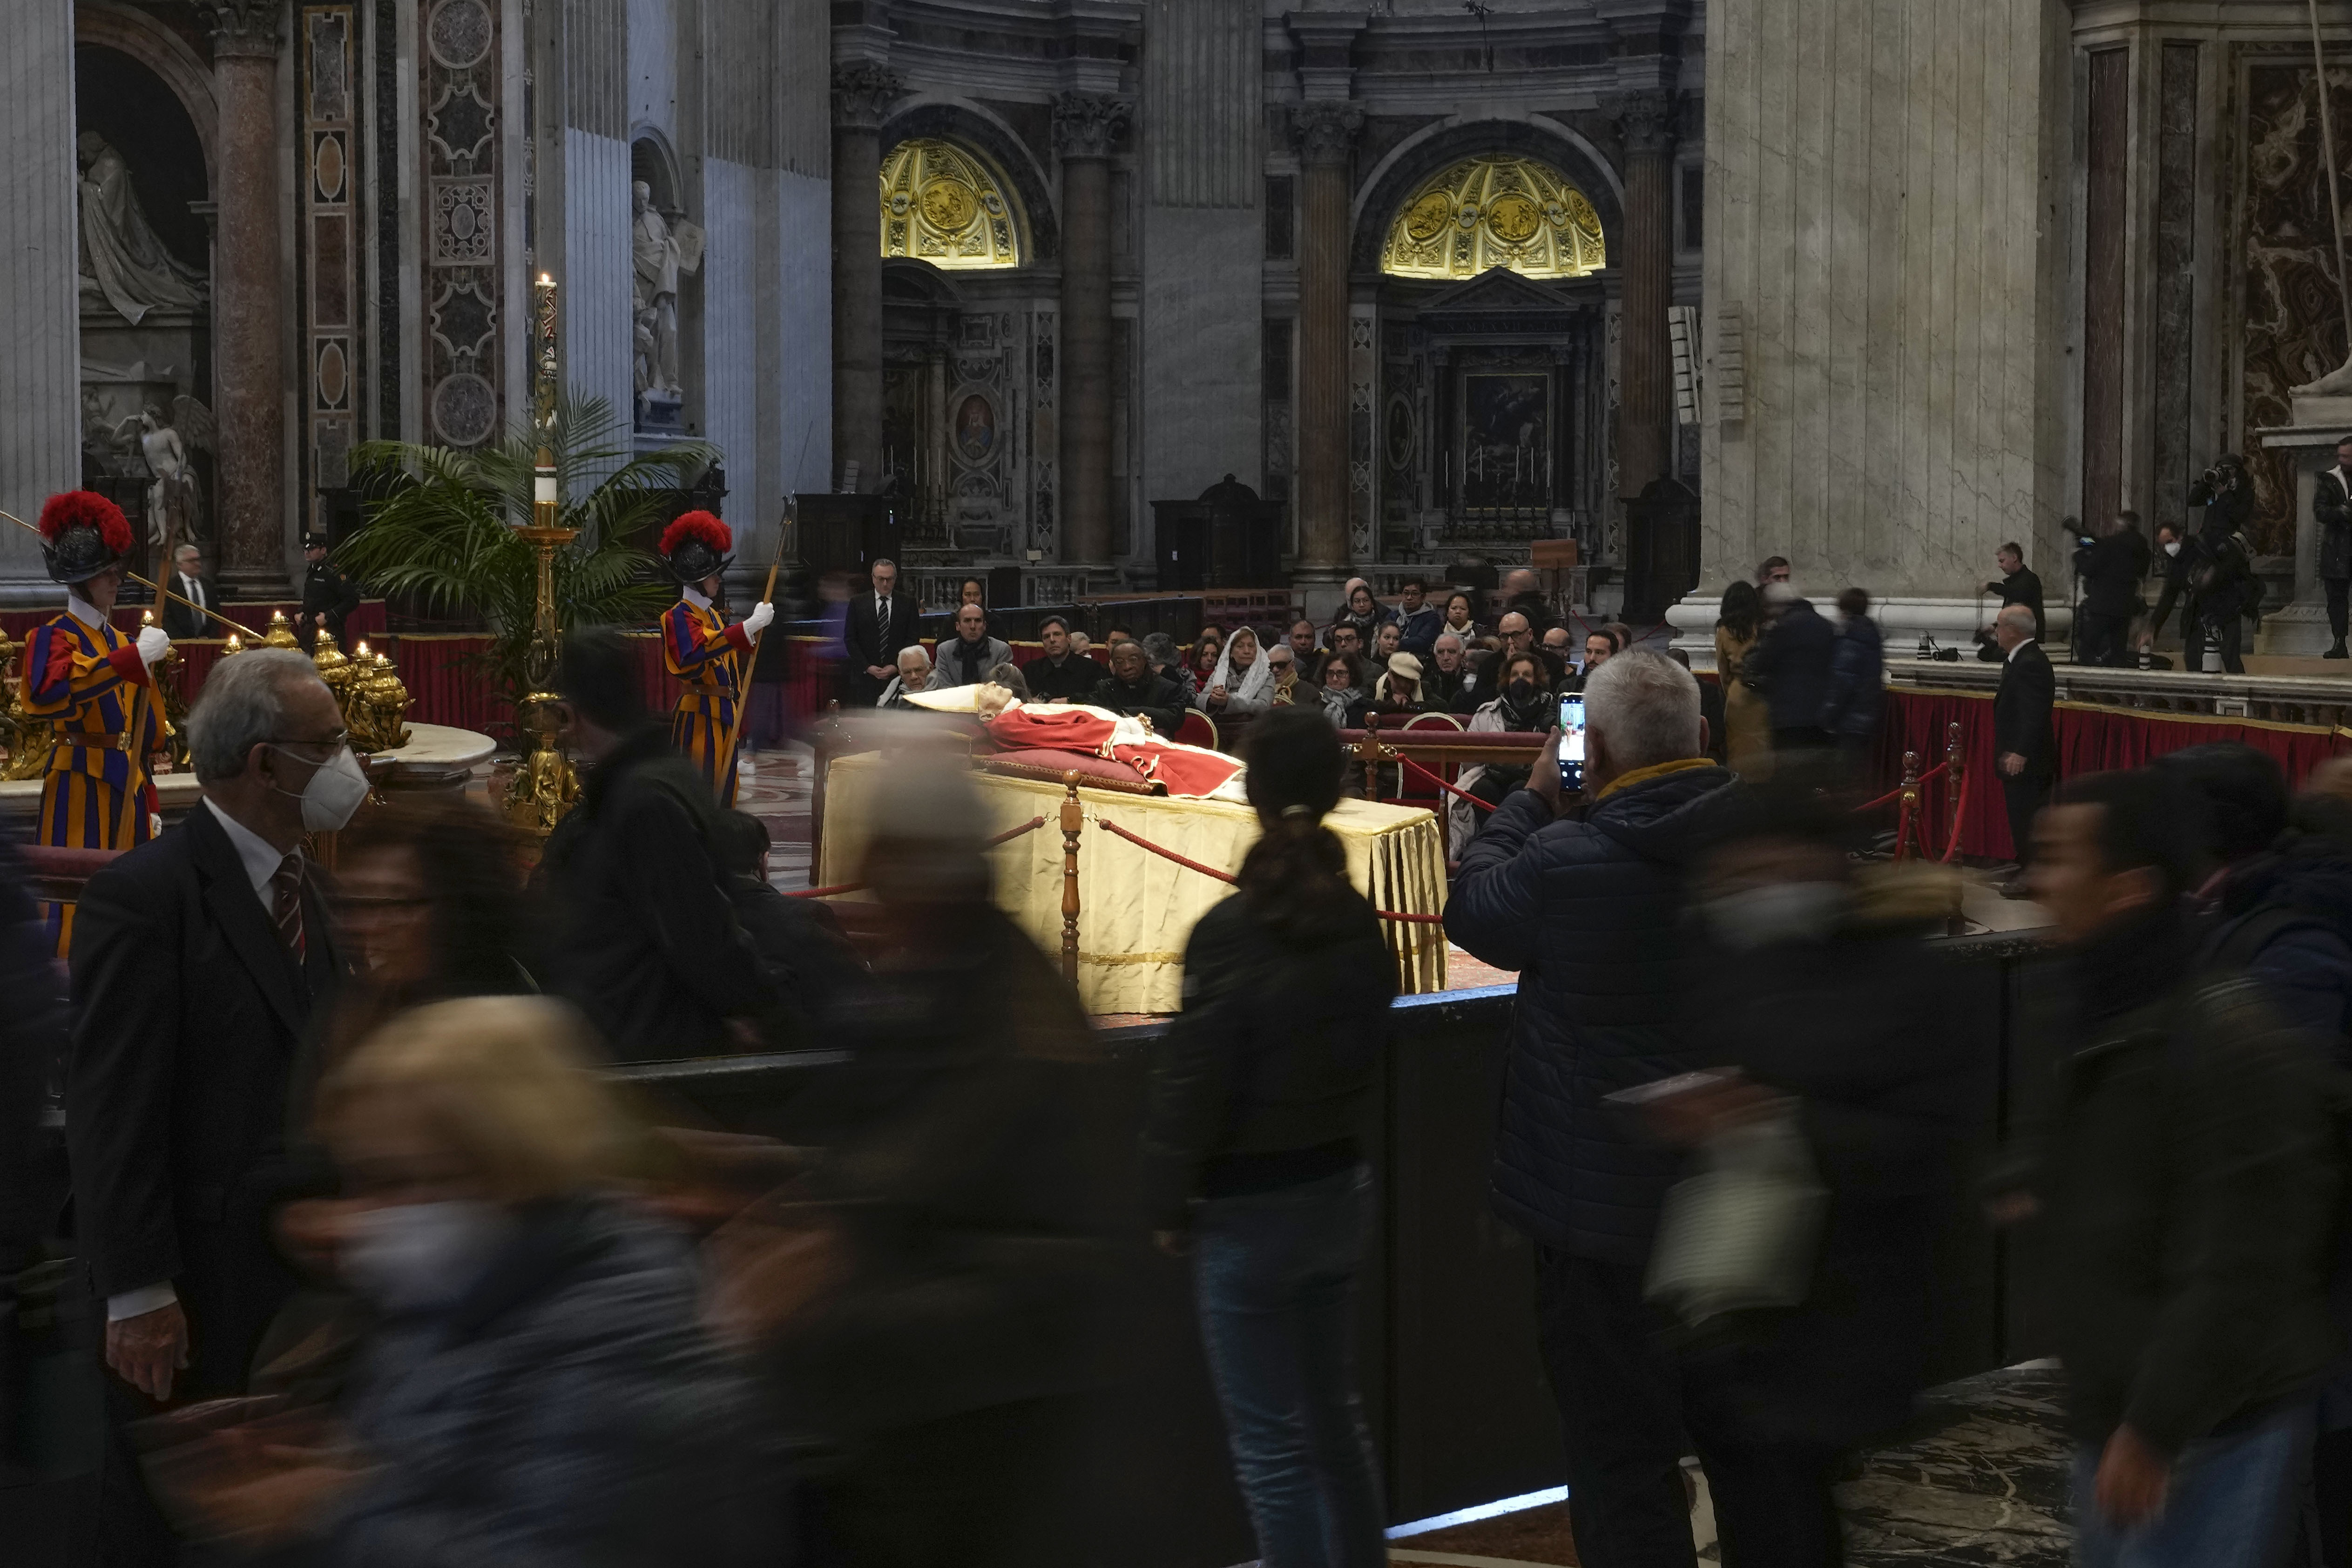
{"points": [[943, 203], [1495, 211]]}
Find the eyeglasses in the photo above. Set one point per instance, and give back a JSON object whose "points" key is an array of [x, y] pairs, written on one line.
{"points": [[334, 743]]}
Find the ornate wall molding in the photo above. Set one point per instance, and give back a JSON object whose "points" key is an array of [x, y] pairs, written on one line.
{"points": [[863, 94], [458, 103], [251, 28], [1325, 131], [332, 169], [1087, 125], [1649, 121]]}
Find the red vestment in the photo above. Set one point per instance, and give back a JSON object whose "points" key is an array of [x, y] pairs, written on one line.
{"points": [[1187, 771]]}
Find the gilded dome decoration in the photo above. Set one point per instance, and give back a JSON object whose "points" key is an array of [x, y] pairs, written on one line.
{"points": [[941, 204], [1495, 211]]}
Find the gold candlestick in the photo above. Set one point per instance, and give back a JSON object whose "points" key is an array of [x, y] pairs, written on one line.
{"points": [[544, 785]]}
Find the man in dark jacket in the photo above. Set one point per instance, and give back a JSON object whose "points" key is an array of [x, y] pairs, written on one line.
{"points": [[2112, 566], [1587, 908], [2018, 584], [2331, 508], [1060, 674], [811, 963], [1790, 663], [2182, 1196], [2024, 744], [32, 1036], [1135, 688], [1857, 680], [876, 625], [642, 937], [327, 596], [2225, 581], [2178, 555]]}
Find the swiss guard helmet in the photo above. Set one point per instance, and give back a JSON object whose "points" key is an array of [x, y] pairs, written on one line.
{"points": [[696, 546], [82, 535]]}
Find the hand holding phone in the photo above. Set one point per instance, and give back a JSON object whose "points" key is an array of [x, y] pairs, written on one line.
{"points": [[1571, 744]]}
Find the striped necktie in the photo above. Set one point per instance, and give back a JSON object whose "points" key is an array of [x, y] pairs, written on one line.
{"points": [[286, 904]]}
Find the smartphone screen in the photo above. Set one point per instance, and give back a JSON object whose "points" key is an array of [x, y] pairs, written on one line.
{"points": [[1572, 742]]}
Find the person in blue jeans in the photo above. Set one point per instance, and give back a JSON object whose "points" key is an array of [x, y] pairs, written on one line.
{"points": [[1253, 1154]]}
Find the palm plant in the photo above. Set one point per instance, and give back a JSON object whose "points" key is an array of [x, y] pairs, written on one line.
{"points": [[443, 531]]}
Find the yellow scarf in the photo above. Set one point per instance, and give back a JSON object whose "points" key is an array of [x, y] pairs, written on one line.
{"points": [[1654, 771]]}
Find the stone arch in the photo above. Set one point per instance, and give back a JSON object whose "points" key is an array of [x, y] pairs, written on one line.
{"points": [[165, 53], [950, 120], [653, 160], [1430, 151]]}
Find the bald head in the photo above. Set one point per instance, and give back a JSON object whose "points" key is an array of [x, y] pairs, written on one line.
{"points": [[2014, 625]]}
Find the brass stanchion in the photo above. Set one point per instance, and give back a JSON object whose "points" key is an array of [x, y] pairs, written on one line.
{"points": [[1074, 818], [1956, 772]]}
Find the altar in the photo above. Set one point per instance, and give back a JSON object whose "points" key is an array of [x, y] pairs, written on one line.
{"points": [[1137, 908]]}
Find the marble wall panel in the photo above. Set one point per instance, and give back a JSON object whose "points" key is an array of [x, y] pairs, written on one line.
{"points": [[2175, 292], [802, 378], [1876, 174], [595, 295], [2106, 222], [40, 436]]}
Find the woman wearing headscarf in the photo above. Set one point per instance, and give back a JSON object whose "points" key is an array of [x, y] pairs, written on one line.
{"points": [[1238, 684], [1360, 610]]}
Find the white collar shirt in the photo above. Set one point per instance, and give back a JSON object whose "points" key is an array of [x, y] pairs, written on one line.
{"points": [[2020, 649], [85, 612], [259, 858]]}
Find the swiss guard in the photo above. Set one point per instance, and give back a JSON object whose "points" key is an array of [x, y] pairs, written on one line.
{"points": [[706, 654], [95, 687]]}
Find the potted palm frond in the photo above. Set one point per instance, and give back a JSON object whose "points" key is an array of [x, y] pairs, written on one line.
{"points": [[443, 531]]}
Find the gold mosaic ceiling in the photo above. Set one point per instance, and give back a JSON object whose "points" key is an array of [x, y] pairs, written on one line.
{"points": [[1497, 211], [941, 205]]}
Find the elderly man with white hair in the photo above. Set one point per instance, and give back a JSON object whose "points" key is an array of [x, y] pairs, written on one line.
{"points": [[1588, 909], [914, 675], [2024, 745]]}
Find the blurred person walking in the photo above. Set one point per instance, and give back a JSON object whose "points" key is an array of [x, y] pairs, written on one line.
{"points": [[1790, 665], [1160, 649], [2112, 566], [2182, 1195], [1746, 718], [537, 1387], [638, 931], [1253, 1149], [201, 962], [1816, 1002], [974, 1175], [1857, 683], [2024, 742], [1588, 907]]}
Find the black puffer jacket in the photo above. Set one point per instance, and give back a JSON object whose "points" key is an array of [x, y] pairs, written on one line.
{"points": [[1588, 911], [1275, 1054], [1791, 665]]}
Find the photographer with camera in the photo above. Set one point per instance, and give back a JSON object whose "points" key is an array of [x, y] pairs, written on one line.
{"points": [[2223, 580], [2111, 565], [2331, 508]]}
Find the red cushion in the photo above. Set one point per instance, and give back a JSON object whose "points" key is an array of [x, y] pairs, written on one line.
{"points": [[1098, 771]]}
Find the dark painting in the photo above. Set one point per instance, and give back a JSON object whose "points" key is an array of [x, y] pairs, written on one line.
{"points": [[1506, 441], [975, 430]]}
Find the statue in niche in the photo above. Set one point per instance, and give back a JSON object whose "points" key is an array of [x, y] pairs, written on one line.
{"points": [[123, 264], [172, 488], [659, 254]]}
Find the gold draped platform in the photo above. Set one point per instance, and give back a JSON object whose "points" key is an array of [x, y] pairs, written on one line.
{"points": [[1136, 908]]}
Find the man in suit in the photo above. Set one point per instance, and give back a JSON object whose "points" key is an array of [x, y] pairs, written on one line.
{"points": [[2112, 566], [191, 583], [2025, 747], [1060, 674], [2331, 508], [200, 961], [880, 623], [327, 596]]}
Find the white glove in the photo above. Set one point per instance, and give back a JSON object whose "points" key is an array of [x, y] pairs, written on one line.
{"points": [[153, 644], [757, 621]]}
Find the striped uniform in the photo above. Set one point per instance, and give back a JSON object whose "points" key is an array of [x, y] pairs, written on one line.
{"points": [[706, 655], [91, 685]]}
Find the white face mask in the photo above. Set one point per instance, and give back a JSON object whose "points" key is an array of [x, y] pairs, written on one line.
{"points": [[334, 794], [1779, 912], [2172, 547], [411, 1256]]}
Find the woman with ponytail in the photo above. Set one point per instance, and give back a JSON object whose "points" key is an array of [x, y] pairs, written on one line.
{"points": [[1253, 1152]]}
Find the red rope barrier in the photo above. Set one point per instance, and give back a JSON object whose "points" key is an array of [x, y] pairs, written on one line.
{"points": [[1890, 794], [1960, 818], [1142, 842], [1903, 831], [1010, 833], [1466, 795]]}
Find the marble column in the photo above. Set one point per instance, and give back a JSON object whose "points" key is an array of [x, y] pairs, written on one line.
{"points": [[1326, 134], [1645, 404], [862, 96], [40, 415], [248, 368], [1086, 126]]}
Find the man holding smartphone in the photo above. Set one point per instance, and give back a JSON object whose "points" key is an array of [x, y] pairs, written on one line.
{"points": [[1582, 894]]}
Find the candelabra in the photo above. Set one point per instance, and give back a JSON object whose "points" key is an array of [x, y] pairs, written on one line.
{"points": [[544, 785]]}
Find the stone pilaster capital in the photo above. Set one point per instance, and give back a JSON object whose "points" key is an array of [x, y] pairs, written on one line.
{"points": [[1326, 131], [1649, 120], [1088, 124], [863, 94], [254, 28]]}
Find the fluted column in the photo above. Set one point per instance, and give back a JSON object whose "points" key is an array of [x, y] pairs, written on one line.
{"points": [[1086, 126], [248, 372], [862, 96], [1645, 408], [1327, 134]]}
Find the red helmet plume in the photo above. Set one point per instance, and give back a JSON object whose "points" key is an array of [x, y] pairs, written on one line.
{"points": [[699, 525], [88, 508]]}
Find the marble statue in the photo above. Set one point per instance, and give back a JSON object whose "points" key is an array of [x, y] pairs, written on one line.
{"points": [[172, 487], [123, 264], [655, 252]]}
